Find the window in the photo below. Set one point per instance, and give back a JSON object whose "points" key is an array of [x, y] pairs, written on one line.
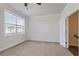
{"points": [[20, 25], [13, 24], [10, 21]]}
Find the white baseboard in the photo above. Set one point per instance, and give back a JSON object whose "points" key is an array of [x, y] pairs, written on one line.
{"points": [[43, 40]]}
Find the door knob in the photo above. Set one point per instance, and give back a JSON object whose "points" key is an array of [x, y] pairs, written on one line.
{"points": [[76, 36]]}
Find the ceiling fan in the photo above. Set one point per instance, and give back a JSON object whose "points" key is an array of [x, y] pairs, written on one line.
{"points": [[26, 4]]}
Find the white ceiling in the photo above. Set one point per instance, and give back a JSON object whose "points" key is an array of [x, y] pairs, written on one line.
{"points": [[37, 10]]}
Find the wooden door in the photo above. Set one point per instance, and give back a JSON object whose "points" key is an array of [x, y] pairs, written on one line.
{"points": [[73, 33]]}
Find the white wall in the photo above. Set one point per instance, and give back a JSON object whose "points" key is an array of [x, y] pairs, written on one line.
{"points": [[62, 31], [68, 10], [9, 41], [44, 28]]}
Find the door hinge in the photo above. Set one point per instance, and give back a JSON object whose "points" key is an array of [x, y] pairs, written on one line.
{"points": [[65, 42]]}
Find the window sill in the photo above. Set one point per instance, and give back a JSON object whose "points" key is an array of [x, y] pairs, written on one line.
{"points": [[14, 34]]}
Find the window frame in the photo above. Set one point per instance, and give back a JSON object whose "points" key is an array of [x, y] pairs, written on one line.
{"points": [[12, 34]]}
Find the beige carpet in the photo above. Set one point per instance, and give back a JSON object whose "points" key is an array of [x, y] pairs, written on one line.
{"points": [[34, 48]]}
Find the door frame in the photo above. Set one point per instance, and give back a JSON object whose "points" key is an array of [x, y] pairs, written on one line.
{"points": [[67, 33]]}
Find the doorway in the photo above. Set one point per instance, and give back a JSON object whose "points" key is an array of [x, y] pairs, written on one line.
{"points": [[73, 33]]}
